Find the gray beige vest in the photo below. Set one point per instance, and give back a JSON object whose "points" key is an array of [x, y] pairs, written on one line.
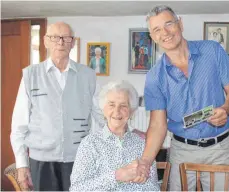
{"points": [[58, 118]]}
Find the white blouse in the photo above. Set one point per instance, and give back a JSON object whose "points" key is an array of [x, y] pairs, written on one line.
{"points": [[100, 155]]}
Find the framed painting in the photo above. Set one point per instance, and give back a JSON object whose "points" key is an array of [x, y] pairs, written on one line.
{"points": [[217, 31], [141, 51], [75, 52], [98, 57]]}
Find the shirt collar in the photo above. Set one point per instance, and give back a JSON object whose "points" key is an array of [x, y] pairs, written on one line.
{"points": [[193, 50], [51, 65], [108, 134]]}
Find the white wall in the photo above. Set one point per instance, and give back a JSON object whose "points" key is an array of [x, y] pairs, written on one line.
{"points": [[116, 30]]}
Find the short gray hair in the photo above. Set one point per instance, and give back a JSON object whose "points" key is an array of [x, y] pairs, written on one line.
{"points": [[124, 86], [159, 9]]}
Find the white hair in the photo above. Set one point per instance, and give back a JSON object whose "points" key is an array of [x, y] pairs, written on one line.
{"points": [[98, 49], [119, 86]]}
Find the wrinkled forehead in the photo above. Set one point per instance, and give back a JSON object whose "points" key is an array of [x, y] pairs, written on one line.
{"points": [[117, 94], [59, 29], [160, 19]]}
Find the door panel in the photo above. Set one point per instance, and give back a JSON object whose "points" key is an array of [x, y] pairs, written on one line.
{"points": [[15, 50]]}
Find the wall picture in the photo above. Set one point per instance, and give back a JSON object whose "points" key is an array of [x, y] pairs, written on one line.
{"points": [[141, 51], [217, 31], [98, 57]]}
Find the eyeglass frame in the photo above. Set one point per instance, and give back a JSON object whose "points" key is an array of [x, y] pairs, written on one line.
{"points": [[166, 26], [59, 38]]}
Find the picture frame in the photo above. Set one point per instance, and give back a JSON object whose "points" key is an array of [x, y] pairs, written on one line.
{"points": [[217, 31], [75, 52], [142, 54], [98, 57]]}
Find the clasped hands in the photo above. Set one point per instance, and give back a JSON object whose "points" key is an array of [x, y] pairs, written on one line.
{"points": [[137, 172]]}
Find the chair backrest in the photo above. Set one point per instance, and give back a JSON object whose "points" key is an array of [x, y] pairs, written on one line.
{"points": [[11, 174], [166, 166], [212, 169]]}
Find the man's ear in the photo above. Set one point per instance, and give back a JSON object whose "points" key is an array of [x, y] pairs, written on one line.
{"points": [[73, 42], [152, 38], [45, 42], [181, 24]]}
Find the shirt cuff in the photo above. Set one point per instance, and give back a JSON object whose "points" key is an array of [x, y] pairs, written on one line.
{"points": [[225, 82], [22, 161]]}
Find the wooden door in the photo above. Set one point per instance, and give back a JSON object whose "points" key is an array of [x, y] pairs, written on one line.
{"points": [[15, 50]]}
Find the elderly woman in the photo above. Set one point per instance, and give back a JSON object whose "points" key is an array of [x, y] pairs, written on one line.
{"points": [[98, 62], [106, 160]]}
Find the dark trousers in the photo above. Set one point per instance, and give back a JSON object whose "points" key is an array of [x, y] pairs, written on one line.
{"points": [[136, 60], [50, 176]]}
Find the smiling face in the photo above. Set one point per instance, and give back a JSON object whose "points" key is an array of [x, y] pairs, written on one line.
{"points": [[60, 49], [117, 110], [166, 30]]}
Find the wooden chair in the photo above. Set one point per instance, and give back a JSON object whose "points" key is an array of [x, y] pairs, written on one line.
{"points": [[166, 166], [212, 169], [11, 173]]}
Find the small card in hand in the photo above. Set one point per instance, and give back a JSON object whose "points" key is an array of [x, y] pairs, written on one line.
{"points": [[198, 116]]}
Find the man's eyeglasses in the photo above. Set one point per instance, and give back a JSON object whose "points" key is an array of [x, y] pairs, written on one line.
{"points": [[66, 39], [168, 26]]}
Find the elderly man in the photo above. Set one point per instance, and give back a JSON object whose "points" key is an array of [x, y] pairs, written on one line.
{"points": [[51, 114], [190, 76]]}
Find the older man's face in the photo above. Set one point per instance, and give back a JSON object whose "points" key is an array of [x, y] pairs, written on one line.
{"points": [[59, 49], [165, 30]]}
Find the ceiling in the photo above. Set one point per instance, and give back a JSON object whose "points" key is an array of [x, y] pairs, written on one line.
{"points": [[17, 9]]}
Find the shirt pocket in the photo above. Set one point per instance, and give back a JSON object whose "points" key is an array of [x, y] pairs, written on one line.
{"points": [[39, 97]]}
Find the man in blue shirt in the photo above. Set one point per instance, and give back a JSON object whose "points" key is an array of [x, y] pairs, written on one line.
{"points": [[189, 76]]}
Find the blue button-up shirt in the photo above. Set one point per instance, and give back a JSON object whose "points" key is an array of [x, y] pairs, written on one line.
{"points": [[167, 88]]}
